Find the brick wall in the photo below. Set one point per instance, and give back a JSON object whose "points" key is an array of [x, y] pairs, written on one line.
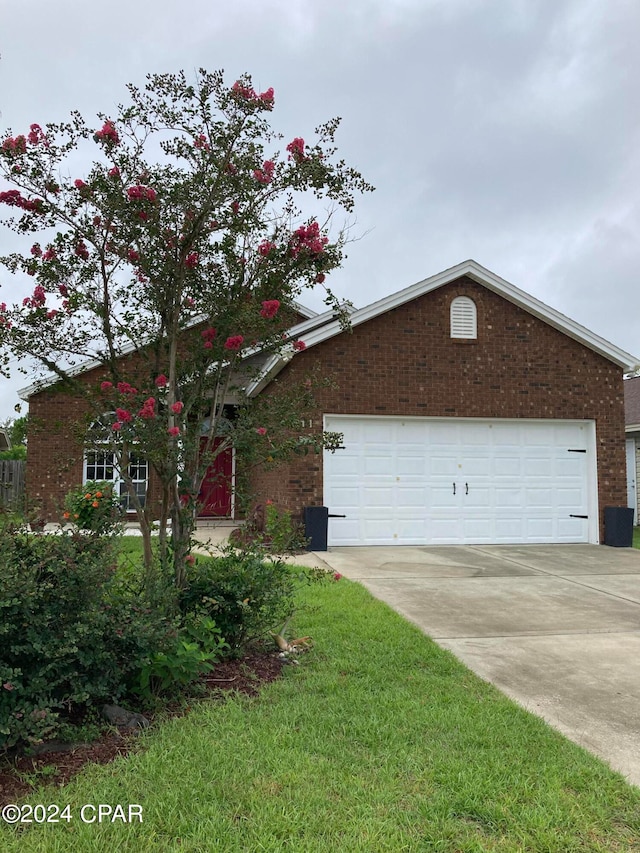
{"points": [[405, 363], [57, 424]]}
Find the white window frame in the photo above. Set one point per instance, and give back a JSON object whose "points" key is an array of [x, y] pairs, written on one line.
{"points": [[463, 317], [105, 460]]}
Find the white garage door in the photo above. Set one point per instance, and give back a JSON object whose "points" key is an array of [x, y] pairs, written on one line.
{"points": [[415, 481]]}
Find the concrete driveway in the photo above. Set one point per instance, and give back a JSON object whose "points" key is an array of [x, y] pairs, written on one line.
{"points": [[555, 627]]}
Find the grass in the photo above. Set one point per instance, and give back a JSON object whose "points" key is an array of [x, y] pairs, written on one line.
{"points": [[636, 537], [379, 741]]}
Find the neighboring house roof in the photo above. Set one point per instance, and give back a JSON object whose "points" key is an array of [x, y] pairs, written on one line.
{"points": [[5, 441], [632, 403], [326, 325], [90, 363]]}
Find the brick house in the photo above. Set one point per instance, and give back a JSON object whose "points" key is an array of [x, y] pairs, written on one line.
{"points": [[470, 413]]}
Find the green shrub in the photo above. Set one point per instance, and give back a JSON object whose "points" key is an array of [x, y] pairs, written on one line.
{"points": [[69, 635], [246, 594], [93, 507], [283, 534], [195, 650], [19, 451]]}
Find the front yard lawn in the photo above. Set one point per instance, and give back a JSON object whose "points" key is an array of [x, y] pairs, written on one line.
{"points": [[378, 741]]}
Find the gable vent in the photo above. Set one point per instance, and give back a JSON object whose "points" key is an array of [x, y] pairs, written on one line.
{"points": [[464, 321]]}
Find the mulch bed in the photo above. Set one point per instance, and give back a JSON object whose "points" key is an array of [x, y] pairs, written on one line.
{"points": [[245, 675]]}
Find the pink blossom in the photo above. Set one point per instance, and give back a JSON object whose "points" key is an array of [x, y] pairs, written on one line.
{"points": [[97, 221], [243, 91], [201, 142], [299, 346], [270, 308], [124, 415], [50, 254], [265, 175], [125, 388], [189, 302], [190, 559], [36, 135], [234, 342], [14, 199], [106, 386], [296, 149], [208, 336], [108, 133], [8, 686], [235, 207], [261, 431], [36, 251], [15, 146], [177, 407], [51, 314], [81, 250], [116, 426], [133, 256], [267, 97], [148, 409], [79, 184], [62, 289], [143, 215], [265, 248], [320, 277], [307, 239], [141, 193], [191, 261], [161, 380], [337, 576], [114, 172], [174, 431]]}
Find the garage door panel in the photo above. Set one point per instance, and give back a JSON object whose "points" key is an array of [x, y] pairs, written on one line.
{"points": [[377, 496], [478, 498], [442, 497], [408, 498], [539, 497], [508, 466], [509, 499], [421, 481], [570, 466], [441, 465]]}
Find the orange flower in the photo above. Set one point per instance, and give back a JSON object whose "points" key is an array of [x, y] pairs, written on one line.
{"points": [[88, 496], [95, 503], [66, 515], [75, 515], [98, 494]]}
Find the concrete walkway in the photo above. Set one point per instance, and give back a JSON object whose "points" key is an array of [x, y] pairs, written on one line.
{"points": [[557, 627]]}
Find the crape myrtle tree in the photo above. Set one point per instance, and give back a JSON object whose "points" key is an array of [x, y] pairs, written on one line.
{"points": [[184, 247]]}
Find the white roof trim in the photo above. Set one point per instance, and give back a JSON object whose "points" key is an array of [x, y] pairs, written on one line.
{"points": [[498, 285], [91, 363]]}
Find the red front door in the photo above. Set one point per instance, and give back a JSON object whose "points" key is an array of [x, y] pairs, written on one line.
{"points": [[215, 492]]}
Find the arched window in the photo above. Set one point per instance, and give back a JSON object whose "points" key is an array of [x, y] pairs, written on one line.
{"points": [[464, 318], [101, 463]]}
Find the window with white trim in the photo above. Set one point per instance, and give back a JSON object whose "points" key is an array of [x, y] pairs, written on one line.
{"points": [[102, 464], [464, 318]]}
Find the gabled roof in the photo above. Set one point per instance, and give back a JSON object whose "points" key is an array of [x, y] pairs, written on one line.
{"points": [[326, 325], [90, 363]]}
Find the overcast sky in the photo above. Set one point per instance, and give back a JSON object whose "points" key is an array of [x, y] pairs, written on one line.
{"points": [[507, 131]]}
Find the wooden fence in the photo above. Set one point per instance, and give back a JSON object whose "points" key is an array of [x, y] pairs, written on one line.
{"points": [[12, 473]]}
